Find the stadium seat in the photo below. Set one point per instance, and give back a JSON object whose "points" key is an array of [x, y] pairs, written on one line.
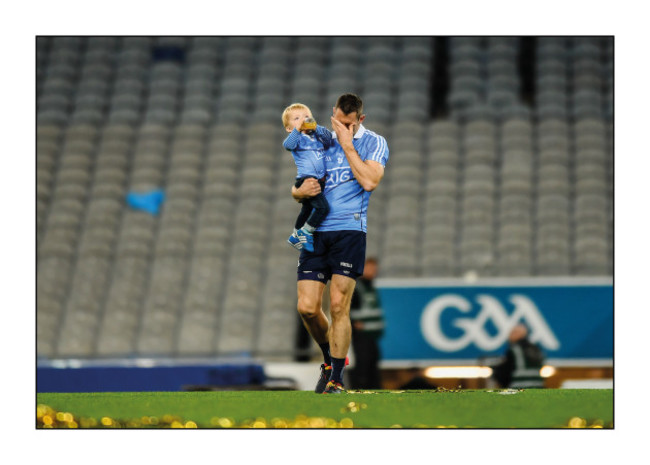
{"points": [[495, 184]]}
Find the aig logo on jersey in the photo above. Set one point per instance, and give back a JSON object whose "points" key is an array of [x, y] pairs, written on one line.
{"points": [[451, 322], [336, 177]]}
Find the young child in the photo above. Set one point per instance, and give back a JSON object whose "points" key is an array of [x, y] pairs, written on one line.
{"points": [[307, 142]]}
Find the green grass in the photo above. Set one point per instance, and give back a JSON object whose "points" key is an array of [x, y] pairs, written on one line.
{"points": [[551, 408]]}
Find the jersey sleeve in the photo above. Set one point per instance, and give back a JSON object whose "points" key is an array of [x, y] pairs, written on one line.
{"points": [[377, 150], [291, 142], [324, 135]]}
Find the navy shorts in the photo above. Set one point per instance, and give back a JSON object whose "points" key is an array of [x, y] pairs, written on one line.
{"points": [[335, 252]]}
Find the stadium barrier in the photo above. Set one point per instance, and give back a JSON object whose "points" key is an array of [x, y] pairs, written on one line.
{"points": [[146, 374]]}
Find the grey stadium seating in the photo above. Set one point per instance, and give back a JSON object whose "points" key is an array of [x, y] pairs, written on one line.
{"points": [[513, 177]]}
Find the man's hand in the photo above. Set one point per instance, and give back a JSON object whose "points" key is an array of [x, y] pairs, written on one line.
{"points": [[310, 187], [367, 173], [344, 133]]}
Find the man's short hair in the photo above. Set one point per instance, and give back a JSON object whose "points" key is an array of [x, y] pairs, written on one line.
{"points": [[349, 103], [290, 108]]}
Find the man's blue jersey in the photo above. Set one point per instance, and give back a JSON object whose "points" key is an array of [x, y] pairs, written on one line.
{"points": [[309, 151], [348, 200]]}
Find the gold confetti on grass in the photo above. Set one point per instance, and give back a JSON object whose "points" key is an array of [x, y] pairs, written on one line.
{"points": [[48, 418]]}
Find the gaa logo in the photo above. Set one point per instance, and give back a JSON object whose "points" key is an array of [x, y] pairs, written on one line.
{"points": [[473, 329]]}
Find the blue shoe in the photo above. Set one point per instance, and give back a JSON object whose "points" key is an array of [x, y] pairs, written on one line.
{"points": [[306, 238], [294, 241]]}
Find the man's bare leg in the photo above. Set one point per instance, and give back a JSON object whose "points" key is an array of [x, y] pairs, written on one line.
{"points": [[310, 308], [341, 289], [310, 301]]}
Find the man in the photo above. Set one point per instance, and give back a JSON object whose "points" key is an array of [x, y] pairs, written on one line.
{"points": [[523, 360], [367, 328], [355, 166]]}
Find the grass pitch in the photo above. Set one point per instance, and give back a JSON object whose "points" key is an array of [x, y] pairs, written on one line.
{"points": [[549, 408]]}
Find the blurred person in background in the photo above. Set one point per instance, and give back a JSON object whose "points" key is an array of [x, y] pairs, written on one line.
{"points": [[521, 362], [367, 328], [355, 166]]}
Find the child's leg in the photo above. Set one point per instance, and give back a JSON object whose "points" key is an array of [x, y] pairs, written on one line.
{"points": [[320, 209], [302, 235], [305, 211], [294, 240]]}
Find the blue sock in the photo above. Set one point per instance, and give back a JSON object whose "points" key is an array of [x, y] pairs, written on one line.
{"points": [[325, 348], [337, 370]]}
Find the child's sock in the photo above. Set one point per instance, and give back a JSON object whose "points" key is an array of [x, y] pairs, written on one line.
{"points": [[325, 348], [310, 229], [337, 370]]}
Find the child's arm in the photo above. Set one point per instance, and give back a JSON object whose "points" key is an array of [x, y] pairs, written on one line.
{"points": [[324, 135], [291, 142]]}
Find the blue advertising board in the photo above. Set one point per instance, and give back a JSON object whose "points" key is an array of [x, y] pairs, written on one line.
{"points": [[570, 318]]}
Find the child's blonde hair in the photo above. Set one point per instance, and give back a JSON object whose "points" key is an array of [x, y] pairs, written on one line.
{"points": [[289, 109]]}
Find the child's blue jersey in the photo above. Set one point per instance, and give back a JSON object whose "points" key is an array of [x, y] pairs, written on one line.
{"points": [[309, 151], [347, 199]]}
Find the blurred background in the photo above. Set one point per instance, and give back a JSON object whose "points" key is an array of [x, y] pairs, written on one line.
{"points": [[163, 191]]}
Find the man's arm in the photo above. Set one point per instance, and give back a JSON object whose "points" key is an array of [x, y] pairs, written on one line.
{"points": [[367, 173], [309, 188]]}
